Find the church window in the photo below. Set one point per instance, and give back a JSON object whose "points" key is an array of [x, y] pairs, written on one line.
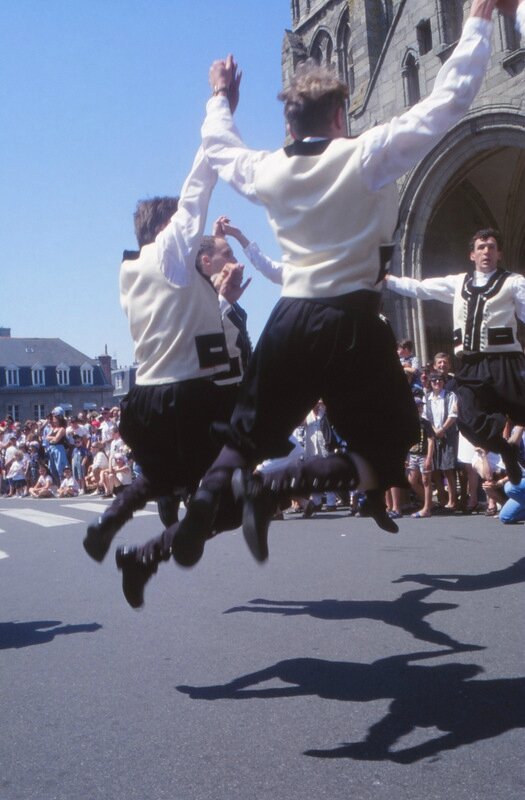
{"points": [[410, 73], [451, 20], [322, 49], [344, 53], [511, 37], [424, 37]]}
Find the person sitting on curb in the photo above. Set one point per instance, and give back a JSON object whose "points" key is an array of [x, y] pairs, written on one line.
{"points": [[69, 486], [44, 486]]}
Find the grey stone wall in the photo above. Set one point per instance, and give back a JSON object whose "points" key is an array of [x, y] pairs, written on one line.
{"points": [[476, 176]]}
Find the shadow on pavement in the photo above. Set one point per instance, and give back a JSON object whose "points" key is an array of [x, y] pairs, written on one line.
{"points": [[471, 583], [26, 634], [407, 612], [443, 697]]}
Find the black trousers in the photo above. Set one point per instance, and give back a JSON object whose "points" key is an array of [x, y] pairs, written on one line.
{"points": [[168, 428], [490, 387], [339, 350]]}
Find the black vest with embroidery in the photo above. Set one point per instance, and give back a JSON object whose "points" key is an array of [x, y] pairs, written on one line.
{"points": [[484, 316]]}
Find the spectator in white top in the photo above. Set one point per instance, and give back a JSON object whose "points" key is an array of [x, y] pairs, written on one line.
{"points": [[76, 429], [16, 475], [44, 486], [69, 486], [441, 412]]}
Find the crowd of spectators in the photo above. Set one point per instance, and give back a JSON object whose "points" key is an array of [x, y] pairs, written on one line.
{"points": [[63, 456], [446, 473]]}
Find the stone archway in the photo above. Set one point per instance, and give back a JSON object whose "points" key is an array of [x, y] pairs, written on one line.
{"points": [[474, 178]]}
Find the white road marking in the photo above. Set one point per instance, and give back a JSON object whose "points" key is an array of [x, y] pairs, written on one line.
{"points": [[42, 518], [3, 555], [98, 509]]}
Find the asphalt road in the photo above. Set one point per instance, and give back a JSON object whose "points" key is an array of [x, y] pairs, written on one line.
{"points": [[355, 665]]}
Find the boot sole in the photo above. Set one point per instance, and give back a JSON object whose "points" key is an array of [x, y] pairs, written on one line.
{"points": [[254, 522]]}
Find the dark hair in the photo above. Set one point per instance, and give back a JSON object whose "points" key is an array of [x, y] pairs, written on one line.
{"points": [[151, 216], [484, 234], [312, 98], [406, 344], [206, 247]]}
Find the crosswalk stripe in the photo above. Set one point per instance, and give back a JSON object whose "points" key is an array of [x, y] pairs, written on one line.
{"points": [[99, 508], [42, 518], [3, 555]]}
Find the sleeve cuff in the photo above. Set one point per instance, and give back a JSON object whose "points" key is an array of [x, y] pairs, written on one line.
{"points": [[224, 306], [520, 18], [217, 101], [478, 25]]}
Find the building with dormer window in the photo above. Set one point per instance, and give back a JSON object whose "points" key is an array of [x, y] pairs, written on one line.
{"points": [[38, 374]]}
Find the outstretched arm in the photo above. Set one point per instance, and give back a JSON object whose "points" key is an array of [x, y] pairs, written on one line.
{"points": [[391, 149], [178, 243], [429, 289], [223, 227], [227, 153], [272, 270]]}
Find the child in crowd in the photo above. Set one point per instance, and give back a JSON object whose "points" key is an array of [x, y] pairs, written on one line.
{"points": [[420, 458], [33, 463], [44, 486], [16, 475], [99, 463], [69, 486], [79, 462]]}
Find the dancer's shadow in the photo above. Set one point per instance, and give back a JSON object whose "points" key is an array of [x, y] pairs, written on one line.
{"points": [[407, 612], [443, 697], [25, 634], [470, 583]]}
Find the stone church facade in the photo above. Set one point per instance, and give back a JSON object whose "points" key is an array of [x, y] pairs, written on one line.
{"points": [[389, 52]]}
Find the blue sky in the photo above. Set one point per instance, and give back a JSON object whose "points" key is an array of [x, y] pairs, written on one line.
{"points": [[102, 103]]}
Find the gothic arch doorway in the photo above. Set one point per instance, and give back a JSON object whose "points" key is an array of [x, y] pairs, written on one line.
{"points": [[474, 179]]}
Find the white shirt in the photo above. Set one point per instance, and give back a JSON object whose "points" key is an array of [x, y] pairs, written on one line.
{"points": [[440, 407], [107, 427], [520, 20], [80, 430], [70, 483], [17, 470], [10, 452], [272, 270], [172, 310], [330, 212], [444, 288], [100, 460]]}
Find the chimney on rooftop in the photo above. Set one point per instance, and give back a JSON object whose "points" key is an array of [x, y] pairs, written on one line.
{"points": [[105, 363]]}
